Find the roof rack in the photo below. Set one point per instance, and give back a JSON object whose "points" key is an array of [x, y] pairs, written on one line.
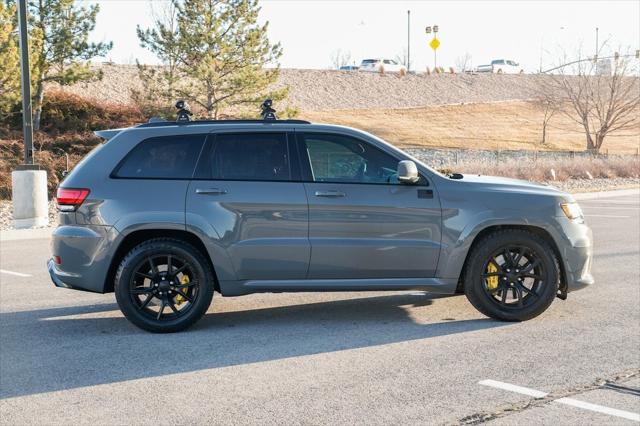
{"points": [[173, 123], [184, 117]]}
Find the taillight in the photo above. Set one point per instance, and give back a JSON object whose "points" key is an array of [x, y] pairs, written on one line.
{"points": [[69, 199]]}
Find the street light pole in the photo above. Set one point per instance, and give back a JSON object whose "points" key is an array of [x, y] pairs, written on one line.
{"points": [[595, 58], [28, 182], [408, 40], [27, 118]]}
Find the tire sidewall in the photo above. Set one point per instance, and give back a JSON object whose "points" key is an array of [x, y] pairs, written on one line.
{"points": [[474, 285], [151, 248]]}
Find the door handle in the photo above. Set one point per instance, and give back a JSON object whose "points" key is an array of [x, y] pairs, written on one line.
{"points": [[211, 191], [330, 194]]}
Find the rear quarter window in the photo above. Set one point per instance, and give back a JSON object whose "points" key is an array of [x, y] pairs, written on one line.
{"points": [[166, 157]]}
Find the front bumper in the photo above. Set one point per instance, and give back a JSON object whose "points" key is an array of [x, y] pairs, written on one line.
{"points": [[577, 253]]}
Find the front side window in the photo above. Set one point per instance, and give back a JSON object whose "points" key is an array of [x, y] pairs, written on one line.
{"points": [[250, 156], [342, 159], [166, 157]]}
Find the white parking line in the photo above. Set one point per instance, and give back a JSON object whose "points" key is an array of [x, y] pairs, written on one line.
{"points": [[17, 274], [599, 409], [606, 215], [566, 401], [513, 388]]}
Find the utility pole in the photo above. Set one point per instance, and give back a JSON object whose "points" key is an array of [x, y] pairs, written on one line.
{"points": [[27, 120], [408, 40], [28, 182]]}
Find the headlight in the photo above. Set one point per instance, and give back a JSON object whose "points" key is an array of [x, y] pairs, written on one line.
{"points": [[572, 210]]}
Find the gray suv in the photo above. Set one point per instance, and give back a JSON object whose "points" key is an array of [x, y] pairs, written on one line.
{"points": [[164, 214]]}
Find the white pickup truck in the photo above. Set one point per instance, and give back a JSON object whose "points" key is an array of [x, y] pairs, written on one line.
{"points": [[501, 66]]}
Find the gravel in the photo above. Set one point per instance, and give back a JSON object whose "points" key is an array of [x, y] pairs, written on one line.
{"points": [[311, 90]]}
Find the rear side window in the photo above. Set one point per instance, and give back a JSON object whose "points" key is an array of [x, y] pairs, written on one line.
{"points": [[167, 157], [250, 156]]}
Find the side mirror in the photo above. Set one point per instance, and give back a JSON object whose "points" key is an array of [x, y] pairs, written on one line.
{"points": [[408, 172]]}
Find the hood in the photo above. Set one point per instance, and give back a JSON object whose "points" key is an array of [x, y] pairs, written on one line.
{"points": [[502, 184]]}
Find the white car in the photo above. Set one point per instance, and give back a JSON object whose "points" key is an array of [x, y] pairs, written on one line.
{"points": [[377, 65], [501, 66]]}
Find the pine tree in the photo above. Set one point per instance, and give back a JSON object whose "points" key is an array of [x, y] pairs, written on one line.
{"points": [[60, 46], [221, 54], [9, 60], [160, 82]]}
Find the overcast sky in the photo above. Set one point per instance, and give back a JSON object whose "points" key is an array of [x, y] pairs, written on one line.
{"points": [[310, 31]]}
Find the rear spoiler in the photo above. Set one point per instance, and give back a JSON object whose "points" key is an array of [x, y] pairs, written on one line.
{"points": [[107, 134]]}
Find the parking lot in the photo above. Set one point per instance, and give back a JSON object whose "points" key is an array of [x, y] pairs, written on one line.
{"points": [[69, 357]]}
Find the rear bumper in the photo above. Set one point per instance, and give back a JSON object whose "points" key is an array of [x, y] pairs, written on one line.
{"points": [[85, 253], [58, 280]]}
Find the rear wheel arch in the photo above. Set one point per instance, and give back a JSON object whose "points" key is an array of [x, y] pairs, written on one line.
{"points": [[135, 238], [536, 230]]}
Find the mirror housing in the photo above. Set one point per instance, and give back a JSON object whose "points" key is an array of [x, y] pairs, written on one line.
{"points": [[408, 172]]}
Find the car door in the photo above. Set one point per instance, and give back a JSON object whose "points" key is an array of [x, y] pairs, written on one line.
{"points": [[246, 188], [363, 223]]}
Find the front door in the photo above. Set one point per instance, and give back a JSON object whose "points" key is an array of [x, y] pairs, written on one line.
{"points": [[363, 223], [245, 189]]}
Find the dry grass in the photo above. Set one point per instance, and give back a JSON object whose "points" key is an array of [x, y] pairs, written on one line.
{"points": [[500, 125], [565, 169]]}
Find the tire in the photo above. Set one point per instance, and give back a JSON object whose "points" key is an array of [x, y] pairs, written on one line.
{"points": [[144, 286], [524, 292]]}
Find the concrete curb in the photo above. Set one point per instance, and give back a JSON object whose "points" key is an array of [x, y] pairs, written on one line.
{"points": [[606, 194]]}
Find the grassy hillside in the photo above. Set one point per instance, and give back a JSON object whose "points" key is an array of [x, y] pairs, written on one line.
{"points": [[499, 125]]}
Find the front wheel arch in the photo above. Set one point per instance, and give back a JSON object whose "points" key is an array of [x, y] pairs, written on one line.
{"points": [[541, 232]]}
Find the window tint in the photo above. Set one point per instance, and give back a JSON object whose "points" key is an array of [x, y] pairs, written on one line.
{"points": [[167, 157], [250, 156], [335, 158]]}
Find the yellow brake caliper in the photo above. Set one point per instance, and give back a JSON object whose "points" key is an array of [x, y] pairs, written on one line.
{"points": [[492, 282], [183, 280]]}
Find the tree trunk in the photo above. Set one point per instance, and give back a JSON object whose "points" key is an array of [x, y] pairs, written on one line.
{"points": [[38, 106], [599, 141], [544, 133]]}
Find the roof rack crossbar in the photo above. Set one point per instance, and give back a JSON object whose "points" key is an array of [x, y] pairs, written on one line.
{"points": [[193, 123]]}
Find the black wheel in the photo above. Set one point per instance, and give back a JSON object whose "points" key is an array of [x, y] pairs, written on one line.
{"points": [[164, 285], [511, 275]]}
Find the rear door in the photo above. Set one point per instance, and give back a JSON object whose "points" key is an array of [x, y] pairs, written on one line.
{"points": [[363, 223], [248, 190]]}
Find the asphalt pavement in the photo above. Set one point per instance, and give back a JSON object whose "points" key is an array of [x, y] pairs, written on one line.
{"points": [[69, 357]]}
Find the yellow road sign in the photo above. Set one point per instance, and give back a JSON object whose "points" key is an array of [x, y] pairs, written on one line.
{"points": [[435, 43]]}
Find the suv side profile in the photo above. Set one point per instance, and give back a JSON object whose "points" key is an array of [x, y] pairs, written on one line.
{"points": [[164, 214]]}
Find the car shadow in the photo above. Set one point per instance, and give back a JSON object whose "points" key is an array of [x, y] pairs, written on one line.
{"points": [[65, 348]]}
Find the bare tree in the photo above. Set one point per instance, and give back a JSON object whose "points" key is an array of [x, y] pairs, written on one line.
{"points": [[603, 100], [340, 58], [464, 62], [402, 58], [546, 99]]}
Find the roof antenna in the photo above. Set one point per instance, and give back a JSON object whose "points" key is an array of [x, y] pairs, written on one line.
{"points": [[268, 113], [184, 115]]}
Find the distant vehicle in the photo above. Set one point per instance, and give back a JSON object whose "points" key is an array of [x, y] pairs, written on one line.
{"points": [[501, 66], [603, 67], [376, 65], [349, 68]]}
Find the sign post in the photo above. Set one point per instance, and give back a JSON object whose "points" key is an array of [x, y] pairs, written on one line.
{"points": [[434, 44]]}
